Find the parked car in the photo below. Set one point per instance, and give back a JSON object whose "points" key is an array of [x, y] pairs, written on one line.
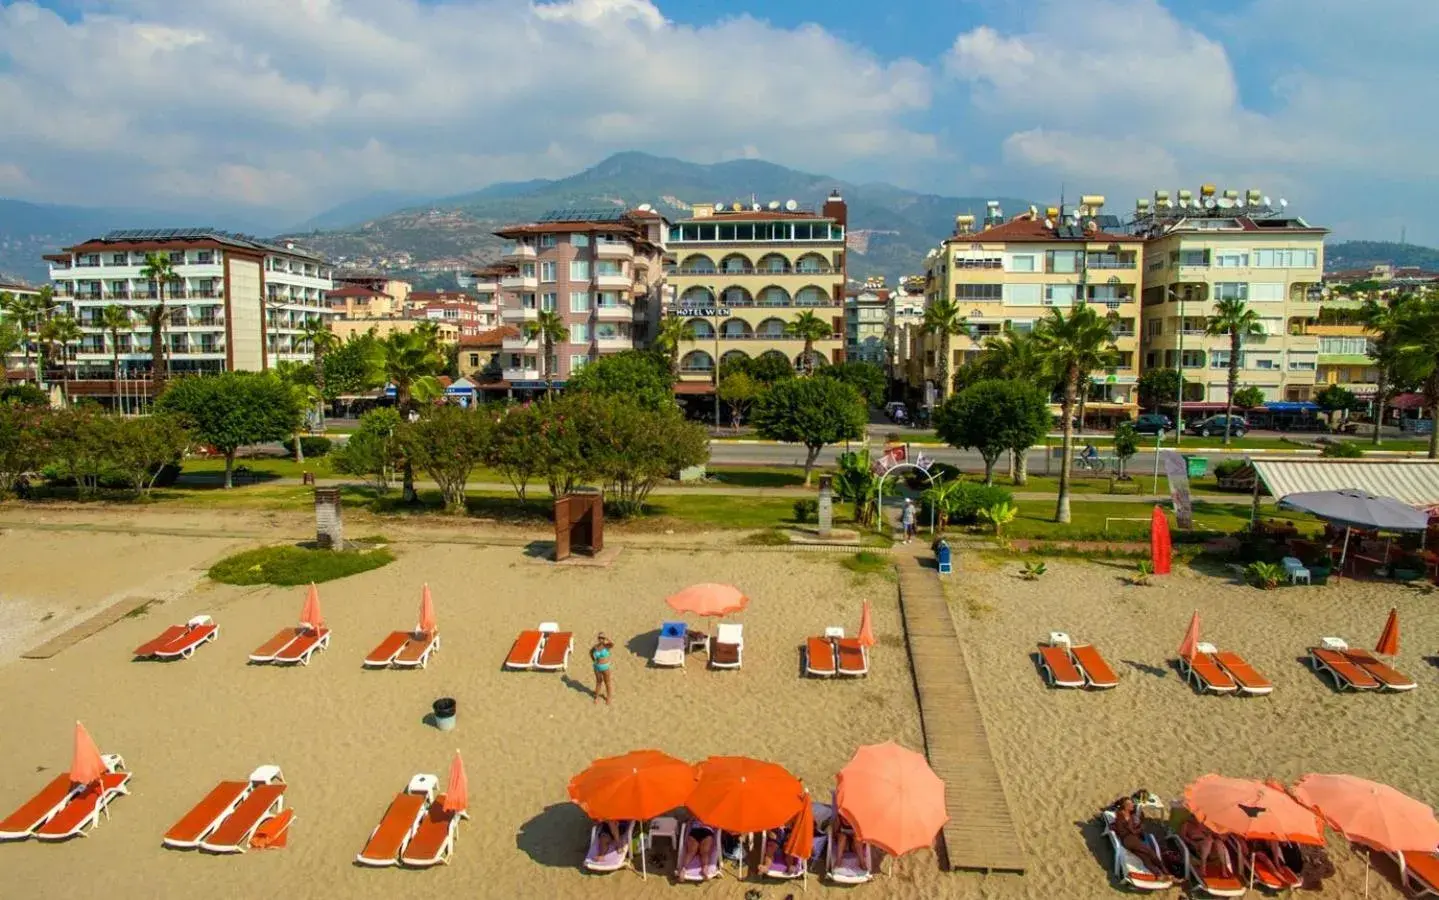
{"points": [[1153, 423], [1214, 426]]}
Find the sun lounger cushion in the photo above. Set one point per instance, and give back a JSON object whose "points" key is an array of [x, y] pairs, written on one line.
{"points": [[1244, 675], [555, 654], [672, 630], [1422, 869], [1344, 671], [84, 808], [819, 656], [698, 869], [853, 660], [185, 644], [1059, 669], [1382, 672], [417, 650], [383, 848], [37, 809], [266, 652], [385, 653], [166, 637], [724, 654], [1096, 670], [618, 856], [205, 816], [1204, 670], [433, 840], [234, 832], [526, 648], [300, 649]]}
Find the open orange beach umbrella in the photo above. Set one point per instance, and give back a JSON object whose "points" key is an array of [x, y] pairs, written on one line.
{"points": [[892, 798], [427, 612], [86, 765], [866, 627], [1253, 810], [708, 600], [1190, 644], [743, 796], [638, 785], [457, 787], [1370, 813], [1389, 640], [800, 843], [310, 614]]}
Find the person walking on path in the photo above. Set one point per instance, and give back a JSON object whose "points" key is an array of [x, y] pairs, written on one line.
{"points": [[600, 656], [906, 518]]}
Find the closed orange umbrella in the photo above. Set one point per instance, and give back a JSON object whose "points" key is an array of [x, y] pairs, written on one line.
{"points": [[743, 795], [708, 600], [892, 798], [1190, 644], [800, 843], [866, 627], [1370, 813], [457, 788], [86, 764], [310, 614], [1389, 641], [427, 613], [638, 785], [1252, 810]]}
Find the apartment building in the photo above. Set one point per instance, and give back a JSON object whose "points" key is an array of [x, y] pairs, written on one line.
{"points": [[379, 282], [745, 271], [466, 311], [600, 270], [446, 333], [866, 315], [355, 301], [1216, 246], [1010, 273], [904, 317], [238, 303]]}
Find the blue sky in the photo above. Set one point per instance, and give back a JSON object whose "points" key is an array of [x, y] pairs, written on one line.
{"points": [[281, 108]]}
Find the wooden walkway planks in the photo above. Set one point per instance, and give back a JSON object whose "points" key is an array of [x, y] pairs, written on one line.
{"points": [[980, 834]]}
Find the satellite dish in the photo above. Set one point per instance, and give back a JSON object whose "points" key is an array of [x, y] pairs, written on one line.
{"points": [[645, 207], [1183, 202], [1048, 223], [736, 206], [1265, 201], [756, 207], [1223, 202], [1209, 203], [719, 207], [774, 204], [791, 205], [1283, 203]]}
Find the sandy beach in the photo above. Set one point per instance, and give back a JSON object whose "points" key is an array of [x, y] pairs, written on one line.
{"points": [[348, 739]]}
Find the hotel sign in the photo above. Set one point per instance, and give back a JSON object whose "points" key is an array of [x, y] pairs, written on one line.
{"points": [[711, 311]]}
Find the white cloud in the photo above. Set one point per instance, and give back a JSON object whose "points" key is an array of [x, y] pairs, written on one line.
{"points": [[294, 105]]}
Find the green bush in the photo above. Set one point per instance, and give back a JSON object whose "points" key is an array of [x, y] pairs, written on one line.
{"points": [[289, 566], [969, 498], [804, 510], [313, 446], [1342, 450], [1228, 467]]}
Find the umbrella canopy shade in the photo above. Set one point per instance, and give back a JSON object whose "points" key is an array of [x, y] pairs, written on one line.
{"points": [[427, 613], [866, 627], [310, 614], [708, 600], [1389, 639], [86, 765], [1253, 810], [1190, 644], [1370, 813], [1356, 509], [641, 784], [892, 798], [800, 843], [743, 795], [1159, 542], [457, 787]]}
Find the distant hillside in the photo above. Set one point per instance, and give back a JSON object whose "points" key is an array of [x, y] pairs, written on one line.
{"points": [[891, 228], [1362, 254]]}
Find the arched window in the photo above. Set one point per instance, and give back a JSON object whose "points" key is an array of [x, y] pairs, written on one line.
{"points": [[773, 264], [812, 264], [697, 264], [810, 296], [736, 296], [701, 329], [773, 328], [774, 296], [735, 328], [736, 264], [697, 297], [775, 354], [697, 361], [732, 356]]}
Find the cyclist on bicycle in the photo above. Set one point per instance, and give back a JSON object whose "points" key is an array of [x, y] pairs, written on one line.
{"points": [[1090, 453]]}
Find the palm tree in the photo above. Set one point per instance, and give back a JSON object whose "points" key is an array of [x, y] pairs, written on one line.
{"points": [[59, 332], [1418, 348], [300, 379], [10, 341], [551, 330], [1232, 317], [26, 310], [1071, 346], [159, 271], [809, 328], [1383, 321], [410, 361], [942, 317], [673, 331], [115, 319], [1013, 355], [322, 341]]}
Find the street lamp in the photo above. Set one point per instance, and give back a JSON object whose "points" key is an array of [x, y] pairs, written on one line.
{"points": [[714, 314]]}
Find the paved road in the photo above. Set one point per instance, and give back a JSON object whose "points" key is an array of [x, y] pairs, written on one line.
{"points": [[729, 452]]}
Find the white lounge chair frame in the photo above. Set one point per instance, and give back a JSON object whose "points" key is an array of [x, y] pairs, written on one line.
{"points": [[189, 649], [1196, 877], [548, 630], [113, 763], [1127, 865], [264, 775], [447, 848], [304, 658], [1420, 887], [863, 875], [421, 785], [593, 865], [1186, 667], [424, 658], [706, 864]]}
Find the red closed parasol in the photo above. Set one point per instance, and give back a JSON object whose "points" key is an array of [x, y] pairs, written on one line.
{"points": [[1159, 543]]}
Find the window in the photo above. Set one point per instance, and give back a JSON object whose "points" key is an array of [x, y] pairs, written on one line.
{"points": [[1191, 258], [964, 292], [1231, 290], [607, 300], [548, 301], [1266, 292], [579, 270], [89, 259], [119, 259], [1231, 259], [609, 267], [527, 301], [527, 270], [1124, 259], [577, 363], [1302, 362], [1061, 261], [1285, 259], [1021, 262], [978, 262], [579, 301], [1193, 359], [1352, 346], [547, 271], [1155, 327], [1154, 263], [177, 257], [1262, 362], [579, 240], [207, 257], [1024, 294], [579, 333], [1059, 294], [548, 240]]}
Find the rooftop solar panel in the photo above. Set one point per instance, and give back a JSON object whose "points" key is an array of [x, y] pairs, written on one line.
{"points": [[602, 214]]}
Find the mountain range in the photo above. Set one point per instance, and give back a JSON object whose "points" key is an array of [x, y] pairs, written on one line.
{"points": [[429, 239]]}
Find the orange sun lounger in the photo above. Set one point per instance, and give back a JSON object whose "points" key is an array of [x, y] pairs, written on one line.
{"points": [[819, 657], [853, 658], [267, 651], [434, 838], [169, 635], [1387, 676], [525, 651], [1342, 670], [206, 815], [417, 650], [84, 809], [1096, 671], [399, 823], [1201, 668], [1058, 668], [555, 652], [388, 649], [1420, 871], [304, 646], [179, 641], [1245, 676], [265, 801], [37, 810]]}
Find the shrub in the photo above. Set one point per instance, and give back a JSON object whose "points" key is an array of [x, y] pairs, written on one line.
{"points": [[312, 446], [971, 497], [1033, 570], [24, 395], [1342, 450], [1227, 468], [1265, 575], [804, 510]]}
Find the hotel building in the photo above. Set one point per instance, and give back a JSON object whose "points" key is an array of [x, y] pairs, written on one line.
{"points": [[238, 303], [744, 272], [866, 314], [601, 270], [1212, 247], [1008, 275]]}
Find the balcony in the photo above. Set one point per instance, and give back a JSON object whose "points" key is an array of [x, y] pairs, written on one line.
{"points": [[613, 281], [620, 313], [518, 343], [614, 250], [521, 374], [520, 282], [518, 252], [520, 314], [614, 342]]}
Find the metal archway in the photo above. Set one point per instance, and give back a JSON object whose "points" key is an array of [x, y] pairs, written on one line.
{"points": [[879, 518]]}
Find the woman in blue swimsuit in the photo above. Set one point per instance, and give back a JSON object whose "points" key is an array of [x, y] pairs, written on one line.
{"points": [[600, 656]]}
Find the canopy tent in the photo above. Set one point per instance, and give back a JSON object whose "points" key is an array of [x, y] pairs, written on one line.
{"points": [[1413, 482], [1358, 509]]}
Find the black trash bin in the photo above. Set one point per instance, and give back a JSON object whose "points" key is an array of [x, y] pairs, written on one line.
{"points": [[444, 713]]}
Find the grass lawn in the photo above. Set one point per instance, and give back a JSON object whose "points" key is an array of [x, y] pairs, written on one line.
{"points": [[265, 468], [288, 566], [760, 476], [1087, 520]]}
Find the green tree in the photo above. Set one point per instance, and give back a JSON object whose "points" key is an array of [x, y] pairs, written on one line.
{"points": [[142, 446], [551, 330], [865, 377], [943, 319], [373, 451], [1233, 318], [738, 391], [160, 272], [1072, 345], [561, 441], [300, 378], [11, 340], [856, 483], [1158, 389], [810, 411], [809, 328], [323, 341], [1248, 398], [353, 367], [1382, 320], [115, 319], [517, 448], [232, 410], [993, 418], [643, 377], [411, 360], [1418, 346], [447, 442], [632, 447], [673, 332], [78, 439], [765, 369], [57, 334], [23, 442], [1126, 444], [1013, 355], [26, 312]]}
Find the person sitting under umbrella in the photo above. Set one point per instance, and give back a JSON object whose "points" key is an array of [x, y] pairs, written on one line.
{"points": [[845, 841], [1206, 843], [610, 831], [699, 844], [1129, 828], [774, 849]]}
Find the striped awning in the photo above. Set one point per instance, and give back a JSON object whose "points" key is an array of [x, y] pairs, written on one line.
{"points": [[1415, 482]]}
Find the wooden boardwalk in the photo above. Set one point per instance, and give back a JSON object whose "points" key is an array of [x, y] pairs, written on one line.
{"points": [[980, 834]]}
